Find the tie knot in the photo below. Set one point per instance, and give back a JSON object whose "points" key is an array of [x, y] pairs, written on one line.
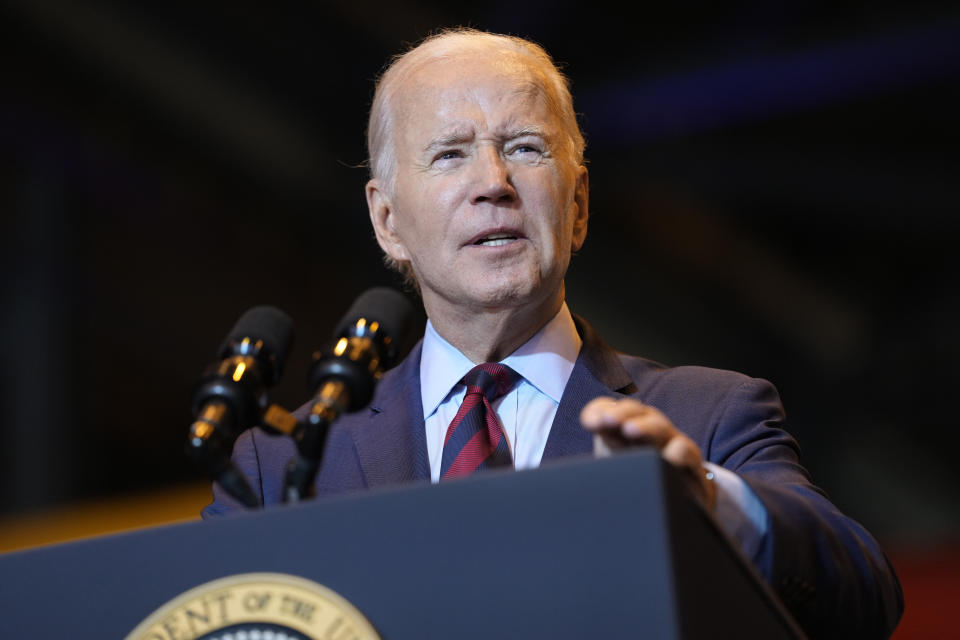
{"points": [[492, 379]]}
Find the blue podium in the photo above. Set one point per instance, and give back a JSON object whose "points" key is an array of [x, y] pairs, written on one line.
{"points": [[582, 548]]}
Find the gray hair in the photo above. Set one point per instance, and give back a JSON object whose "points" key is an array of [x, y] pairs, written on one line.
{"points": [[380, 142]]}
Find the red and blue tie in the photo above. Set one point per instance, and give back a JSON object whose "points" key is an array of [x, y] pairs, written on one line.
{"points": [[475, 438]]}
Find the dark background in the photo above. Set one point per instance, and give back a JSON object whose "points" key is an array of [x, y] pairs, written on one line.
{"points": [[774, 190]]}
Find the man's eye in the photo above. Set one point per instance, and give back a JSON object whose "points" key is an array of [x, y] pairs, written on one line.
{"points": [[523, 149], [450, 154]]}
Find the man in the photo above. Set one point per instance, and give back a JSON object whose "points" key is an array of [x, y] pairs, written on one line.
{"points": [[479, 194]]}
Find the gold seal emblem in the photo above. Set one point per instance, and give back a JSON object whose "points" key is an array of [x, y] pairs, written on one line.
{"points": [[257, 606]]}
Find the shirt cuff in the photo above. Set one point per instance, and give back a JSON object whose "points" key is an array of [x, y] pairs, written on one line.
{"points": [[738, 511]]}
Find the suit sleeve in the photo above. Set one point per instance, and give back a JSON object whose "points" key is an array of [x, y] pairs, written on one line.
{"points": [[246, 459], [826, 567]]}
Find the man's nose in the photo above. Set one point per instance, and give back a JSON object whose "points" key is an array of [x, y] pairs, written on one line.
{"points": [[492, 182]]}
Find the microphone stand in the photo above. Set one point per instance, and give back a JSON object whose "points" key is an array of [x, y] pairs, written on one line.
{"points": [[310, 437]]}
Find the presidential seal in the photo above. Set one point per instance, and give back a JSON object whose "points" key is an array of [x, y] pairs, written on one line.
{"points": [[256, 606]]}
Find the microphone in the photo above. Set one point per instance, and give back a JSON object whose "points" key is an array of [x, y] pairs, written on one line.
{"points": [[231, 394], [374, 335]]}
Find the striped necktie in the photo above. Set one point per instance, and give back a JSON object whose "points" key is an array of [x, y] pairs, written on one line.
{"points": [[475, 438]]}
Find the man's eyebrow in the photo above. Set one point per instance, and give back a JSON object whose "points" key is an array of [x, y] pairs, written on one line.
{"points": [[462, 137], [449, 140], [525, 131]]}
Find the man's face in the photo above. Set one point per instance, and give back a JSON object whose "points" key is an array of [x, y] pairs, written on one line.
{"points": [[487, 202]]}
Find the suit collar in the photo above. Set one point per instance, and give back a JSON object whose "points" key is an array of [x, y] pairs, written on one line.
{"points": [[392, 448], [545, 361]]}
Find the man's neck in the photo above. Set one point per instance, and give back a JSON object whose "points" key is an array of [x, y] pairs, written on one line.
{"points": [[491, 334]]}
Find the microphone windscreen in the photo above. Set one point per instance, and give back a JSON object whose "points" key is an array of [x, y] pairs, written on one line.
{"points": [[268, 324], [390, 308]]}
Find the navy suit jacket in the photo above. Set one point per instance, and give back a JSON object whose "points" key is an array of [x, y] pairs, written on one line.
{"points": [[828, 570]]}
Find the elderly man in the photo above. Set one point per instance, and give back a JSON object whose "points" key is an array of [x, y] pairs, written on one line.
{"points": [[479, 195]]}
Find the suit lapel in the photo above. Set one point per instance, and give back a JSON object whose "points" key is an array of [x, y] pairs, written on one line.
{"points": [[392, 448], [597, 372]]}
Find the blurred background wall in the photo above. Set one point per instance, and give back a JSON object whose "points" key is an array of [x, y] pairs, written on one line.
{"points": [[774, 190]]}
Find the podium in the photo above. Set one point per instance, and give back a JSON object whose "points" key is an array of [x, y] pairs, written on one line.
{"points": [[581, 548]]}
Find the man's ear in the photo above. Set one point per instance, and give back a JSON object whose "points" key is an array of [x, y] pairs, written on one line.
{"points": [[581, 198], [382, 216]]}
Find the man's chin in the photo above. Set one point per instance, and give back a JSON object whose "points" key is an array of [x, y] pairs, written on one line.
{"points": [[484, 291], [510, 295]]}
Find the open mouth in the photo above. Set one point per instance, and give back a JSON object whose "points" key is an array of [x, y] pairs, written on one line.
{"points": [[495, 240]]}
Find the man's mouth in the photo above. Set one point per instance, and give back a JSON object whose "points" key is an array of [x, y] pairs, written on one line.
{"points": [[495, 240]]}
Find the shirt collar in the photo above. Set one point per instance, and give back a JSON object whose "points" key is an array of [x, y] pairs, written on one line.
{"points": [[545, 361]]}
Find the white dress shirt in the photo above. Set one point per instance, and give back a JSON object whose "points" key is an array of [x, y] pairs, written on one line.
{"points": [[545, 363]]}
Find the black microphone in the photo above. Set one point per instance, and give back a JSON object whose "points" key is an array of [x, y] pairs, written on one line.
{"points": [[374, 335], [231, 394]]}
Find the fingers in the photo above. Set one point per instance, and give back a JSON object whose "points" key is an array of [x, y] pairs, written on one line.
{"points": [[630, 419], [627, 421]]}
